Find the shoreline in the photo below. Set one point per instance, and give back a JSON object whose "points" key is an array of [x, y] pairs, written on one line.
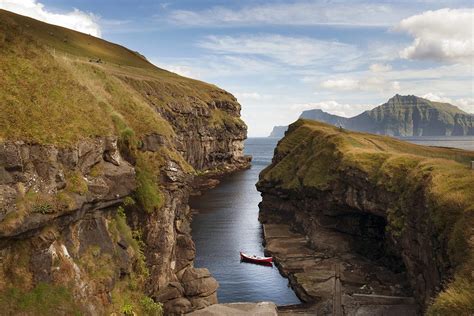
{"points": [[324, 282]]}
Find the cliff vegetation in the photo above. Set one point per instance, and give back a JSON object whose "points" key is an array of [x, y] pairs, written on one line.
{"points": [[98, 150], [423, 193]]}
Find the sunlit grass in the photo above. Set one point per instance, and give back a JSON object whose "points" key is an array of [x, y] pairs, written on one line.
{"points": [[314, 155]]}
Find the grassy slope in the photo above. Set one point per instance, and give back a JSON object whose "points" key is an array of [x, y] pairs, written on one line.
{"points": [[316, 154], [51, 92]]}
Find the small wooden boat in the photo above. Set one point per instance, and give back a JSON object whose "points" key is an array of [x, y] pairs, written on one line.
{"points": [[255, 259]]}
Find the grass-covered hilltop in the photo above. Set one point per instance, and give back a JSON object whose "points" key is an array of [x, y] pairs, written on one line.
{"points": [[98, 149], [81, 86], [421, 197]]}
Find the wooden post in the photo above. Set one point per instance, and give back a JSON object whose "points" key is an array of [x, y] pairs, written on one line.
{"points": [[472, 164]]}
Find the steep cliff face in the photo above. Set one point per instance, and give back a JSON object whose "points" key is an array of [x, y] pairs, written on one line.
{"points": [[414, 116], [405, 206], [98, 152], [278, 131], [320, 115], [400, 116]]}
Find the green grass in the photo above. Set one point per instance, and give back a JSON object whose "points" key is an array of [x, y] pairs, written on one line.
{"points": [[314, 155], [126, 300], [43, 299], [75, 43], [148, 193], [128, 293], [76, 183], [52, 94], [457, 299], [37, 95]]}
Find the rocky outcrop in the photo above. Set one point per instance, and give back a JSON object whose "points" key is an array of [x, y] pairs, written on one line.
{"points": [[59, 211], [58, 183], [400, 116], [57, 205], [97, 161], [387, 200]]}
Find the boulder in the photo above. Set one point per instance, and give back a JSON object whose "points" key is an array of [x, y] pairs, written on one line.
{"points": [[178, 306]]}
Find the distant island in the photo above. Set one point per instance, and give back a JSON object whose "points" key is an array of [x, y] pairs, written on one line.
{"points": [[400, 116]]}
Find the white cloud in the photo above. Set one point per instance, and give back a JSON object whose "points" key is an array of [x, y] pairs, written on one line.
{"points": [[182, 70], [75, 19], [371, 83], [296, 13], [341, 84], [466, 104], [251, 96], [213, 67], [293, 51], [333, 107], [442, 35], [380, 67], [437, 97]]}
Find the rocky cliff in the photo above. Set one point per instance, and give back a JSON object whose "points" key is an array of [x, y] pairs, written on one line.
{"points": [[98, 153], [278, 131], [320, 115], [414, 116], [400, 116], [403, 206]]}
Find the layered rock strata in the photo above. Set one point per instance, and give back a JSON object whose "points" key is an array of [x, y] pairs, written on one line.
{"points": [[99, 150]]}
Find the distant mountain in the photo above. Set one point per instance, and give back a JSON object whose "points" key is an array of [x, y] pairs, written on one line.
{"points": [[320, 115], [400, 116], [278, 131]]}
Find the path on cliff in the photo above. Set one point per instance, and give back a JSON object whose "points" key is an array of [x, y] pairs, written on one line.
{"points": [[227, 222]]}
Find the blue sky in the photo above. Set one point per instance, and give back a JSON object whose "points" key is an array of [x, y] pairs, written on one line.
{"points": [[281, 57]]}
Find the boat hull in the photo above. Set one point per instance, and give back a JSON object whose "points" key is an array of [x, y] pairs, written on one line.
{"points": [[258, 260]]}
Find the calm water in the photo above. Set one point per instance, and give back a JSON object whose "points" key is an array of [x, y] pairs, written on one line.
{"points": [[227, 222], [463, 142]]}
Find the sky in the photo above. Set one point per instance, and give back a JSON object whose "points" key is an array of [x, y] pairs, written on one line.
{"points": [[282, 57]]}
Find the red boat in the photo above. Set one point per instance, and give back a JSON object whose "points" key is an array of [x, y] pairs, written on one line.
{"points": [[255, 259]]}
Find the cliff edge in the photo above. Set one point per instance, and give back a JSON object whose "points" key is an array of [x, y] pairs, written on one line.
{"points": [[98, 151], [407, 207]]}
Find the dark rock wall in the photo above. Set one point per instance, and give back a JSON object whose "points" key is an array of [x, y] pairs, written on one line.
{"points": [[358, 207], [58, 212]]}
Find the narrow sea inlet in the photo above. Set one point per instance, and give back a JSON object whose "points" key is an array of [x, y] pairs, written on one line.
{"points": [[227, 222]]}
